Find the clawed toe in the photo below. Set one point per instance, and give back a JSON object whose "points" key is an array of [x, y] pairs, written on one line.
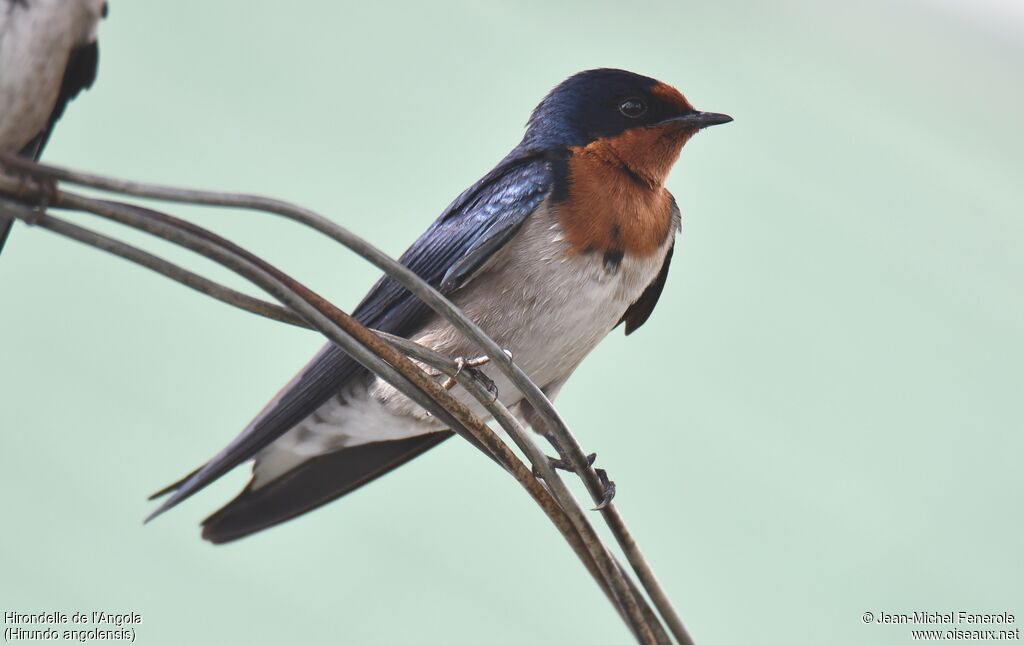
{"points": [[607, 485], [562, 463], [471, 366], [47, 193], [609, 489], [486, 382], [47, 190]]}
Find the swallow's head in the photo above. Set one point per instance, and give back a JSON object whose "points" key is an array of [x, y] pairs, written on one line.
{"points": [[642, 121]]}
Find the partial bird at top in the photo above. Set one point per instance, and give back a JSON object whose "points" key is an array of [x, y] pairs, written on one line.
{"points": [[48, 54]]}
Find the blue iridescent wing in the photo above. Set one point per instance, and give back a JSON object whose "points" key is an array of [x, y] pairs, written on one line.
{"points": [[478, 223]]}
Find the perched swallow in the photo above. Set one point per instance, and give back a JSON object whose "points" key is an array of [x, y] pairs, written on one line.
{"points": [[569, 236], [48, 54]]}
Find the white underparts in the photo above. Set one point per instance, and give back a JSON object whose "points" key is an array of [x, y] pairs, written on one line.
{"points": [[548, 305], [36, 39]]}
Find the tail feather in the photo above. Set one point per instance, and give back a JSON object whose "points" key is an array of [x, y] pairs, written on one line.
{"points": [[312, 484], [5, 230], [170, 488]]}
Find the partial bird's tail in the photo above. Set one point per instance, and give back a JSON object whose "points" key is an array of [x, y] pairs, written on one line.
{"points": [[5, 230], [310, 485]]}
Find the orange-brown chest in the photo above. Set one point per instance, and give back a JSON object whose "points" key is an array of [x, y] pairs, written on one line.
{"points": [[616, 202], [610, 210]]}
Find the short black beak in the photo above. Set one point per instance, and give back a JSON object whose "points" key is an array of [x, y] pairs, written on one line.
{"points": [[697, 120]]}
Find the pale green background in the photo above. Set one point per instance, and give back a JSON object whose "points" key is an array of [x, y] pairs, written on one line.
{"points": [[822, 418]]}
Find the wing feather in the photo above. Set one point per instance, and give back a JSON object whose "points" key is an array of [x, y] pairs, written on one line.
{"points": [[641, 310], [474, 226]]}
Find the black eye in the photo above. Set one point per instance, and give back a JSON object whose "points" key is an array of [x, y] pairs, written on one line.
{"points": [[633, 108]]}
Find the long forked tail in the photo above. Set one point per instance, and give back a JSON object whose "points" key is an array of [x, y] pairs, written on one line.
{"points": [[312, 484]]}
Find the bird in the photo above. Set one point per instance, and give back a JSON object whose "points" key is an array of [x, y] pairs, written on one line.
{"points": [[566, 238], [48, 55]]}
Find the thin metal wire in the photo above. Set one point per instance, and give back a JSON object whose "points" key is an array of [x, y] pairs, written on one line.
{"points": [[170, 229], [531, 392]]}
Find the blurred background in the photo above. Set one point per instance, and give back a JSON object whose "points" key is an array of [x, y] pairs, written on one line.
{"points": [[822, 418]]}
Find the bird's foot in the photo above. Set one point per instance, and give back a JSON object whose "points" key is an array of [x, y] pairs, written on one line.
{"points": [[607, 485], [608, 488], [471, 366], [44, 187], [561, 463], [47, 195]]}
